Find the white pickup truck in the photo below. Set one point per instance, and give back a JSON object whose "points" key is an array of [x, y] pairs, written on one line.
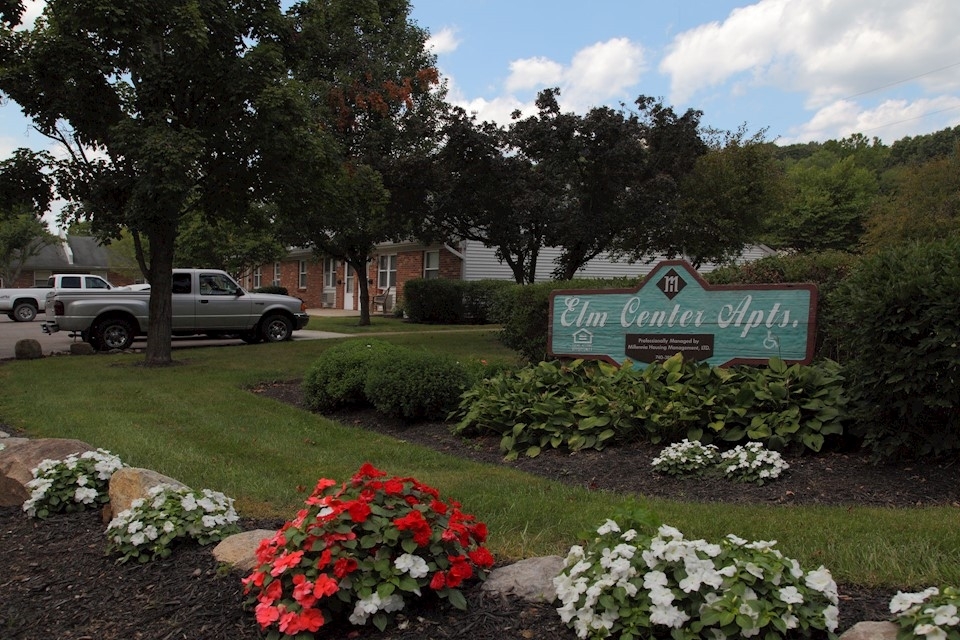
{"points": [[205, 301], [23, 305]]}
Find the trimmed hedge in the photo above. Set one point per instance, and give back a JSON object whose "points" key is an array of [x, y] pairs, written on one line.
{"points": [[451, 301], [337, 379], [272, 288], [900, 323]]}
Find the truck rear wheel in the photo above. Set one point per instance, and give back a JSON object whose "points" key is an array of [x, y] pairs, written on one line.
{"points": [[276, 328], [24, 312], [113, 333]]}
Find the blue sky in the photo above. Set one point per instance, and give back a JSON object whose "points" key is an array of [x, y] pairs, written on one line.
{"points": [[800, 69]]}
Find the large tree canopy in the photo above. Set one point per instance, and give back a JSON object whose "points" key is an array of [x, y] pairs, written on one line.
{"points": [[26, 192], [367, 77], [162, 106]]}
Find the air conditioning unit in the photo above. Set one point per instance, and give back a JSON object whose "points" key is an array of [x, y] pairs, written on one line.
{"points": [[329, 299]]}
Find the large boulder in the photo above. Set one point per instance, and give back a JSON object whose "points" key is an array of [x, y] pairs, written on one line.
{"points": [[871, 631], [28, 349], [530, 579], [21, 456], [240, 550], [129, 483]]}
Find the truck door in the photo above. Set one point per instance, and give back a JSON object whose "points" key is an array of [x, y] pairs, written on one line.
{"points": [[184, 303], [221, 304]]}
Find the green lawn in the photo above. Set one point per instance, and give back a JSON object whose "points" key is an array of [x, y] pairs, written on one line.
{"points": [[199, 422]]}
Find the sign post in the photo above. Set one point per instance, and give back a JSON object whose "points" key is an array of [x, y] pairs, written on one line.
{"points": [[675, 311]]}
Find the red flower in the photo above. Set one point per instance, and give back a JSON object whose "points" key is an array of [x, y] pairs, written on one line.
{"points": [[325, 586], [255, 579], [481, 557], [323, 484], [459, 571], [417, 525], [267, 614], [393, 486], [479, 532], [367, 470], [286, 561], [438, 581], [411, 500], [272, 593], [311, 620], [344, 566], [303, 591], [438, 506], [324, 559], [359, 511]]}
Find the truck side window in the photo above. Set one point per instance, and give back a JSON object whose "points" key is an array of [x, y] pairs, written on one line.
{"points": [[70, 282], [214, 284], [181, 283], [96, 283]]}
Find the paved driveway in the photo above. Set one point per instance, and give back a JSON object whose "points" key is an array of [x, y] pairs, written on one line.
{"points": [[11, 332]]}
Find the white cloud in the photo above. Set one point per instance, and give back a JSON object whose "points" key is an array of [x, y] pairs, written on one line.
{"points": [[828, 50], [890, 120], [445, 41]]}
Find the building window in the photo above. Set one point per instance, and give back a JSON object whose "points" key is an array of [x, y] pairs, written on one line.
{"points": [[302, 277], [431, 265], [257, 277], [40, 278], [387, 273], [329, 273], [276, 274]]}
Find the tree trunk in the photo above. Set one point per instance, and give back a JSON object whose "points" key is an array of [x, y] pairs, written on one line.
{"points": [[360, 269], [159, 350]]}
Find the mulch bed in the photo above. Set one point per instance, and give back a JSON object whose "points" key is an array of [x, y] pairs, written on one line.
{"points": [[57, 582]]}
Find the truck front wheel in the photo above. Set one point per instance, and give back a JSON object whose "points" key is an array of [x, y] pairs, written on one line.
{"points": [[276, 328], [114, 333], [24, 312]]}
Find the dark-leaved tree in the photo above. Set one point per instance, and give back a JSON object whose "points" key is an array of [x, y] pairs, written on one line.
{"points": [[162, 106]]}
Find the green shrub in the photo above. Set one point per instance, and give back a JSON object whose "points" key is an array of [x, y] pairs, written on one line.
{"points": [[435, 300], [479, 300], [337, 378], [900, 322], [415, 384], [272, 288], [826, 269], [585, 405], [452, 301]]}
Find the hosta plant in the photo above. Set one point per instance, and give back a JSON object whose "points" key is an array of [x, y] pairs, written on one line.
{"points": [[628, 585], [75, 483], [148, 529], [932, 614], [364, 550]]}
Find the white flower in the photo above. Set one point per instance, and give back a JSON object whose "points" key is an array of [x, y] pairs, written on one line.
{"points": [[932, 632], [412, 564], [821, 580], [945, 615], [790, 595], [668, 616], [608, 527], [134, 526], [188, 502], [85, 495], [831, 616]]}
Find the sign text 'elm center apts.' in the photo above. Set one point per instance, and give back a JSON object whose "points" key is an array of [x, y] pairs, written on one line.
{"points": [[675, 311]]}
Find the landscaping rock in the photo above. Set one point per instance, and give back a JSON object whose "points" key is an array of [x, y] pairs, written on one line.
{"points": [[240, 550], [81, 349], [871, 631], [21, 456], [28, 349], [129, 483], [530, 579]]}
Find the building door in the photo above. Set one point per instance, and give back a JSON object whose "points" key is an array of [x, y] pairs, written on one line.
{"points": [[349, 287]]}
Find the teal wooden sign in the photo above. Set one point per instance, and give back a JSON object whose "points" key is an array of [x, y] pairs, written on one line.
{"points": [[675, 311]]}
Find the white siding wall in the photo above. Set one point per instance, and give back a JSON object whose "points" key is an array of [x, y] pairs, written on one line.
{"points": [[480, 263]]}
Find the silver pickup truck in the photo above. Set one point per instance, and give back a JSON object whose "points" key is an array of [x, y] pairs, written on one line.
{"points": [[205, 301]]}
